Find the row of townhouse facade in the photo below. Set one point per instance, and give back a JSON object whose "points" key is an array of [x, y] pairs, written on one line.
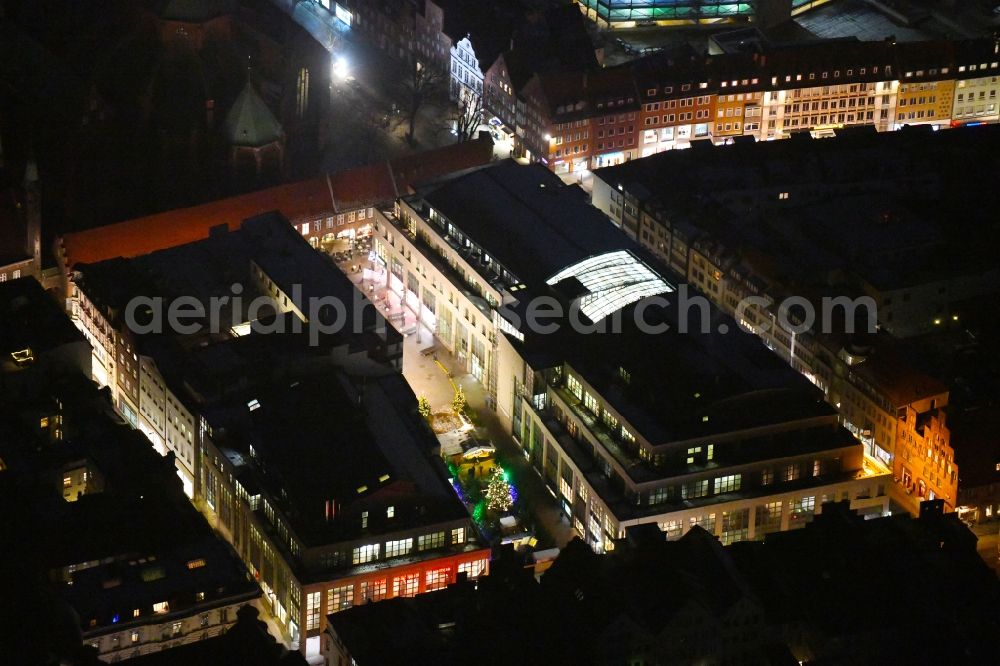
{"points": [[138, 389], [303, 579], [662, 102], [415, 31], [668, 100], [607, 470], [892, 408]]}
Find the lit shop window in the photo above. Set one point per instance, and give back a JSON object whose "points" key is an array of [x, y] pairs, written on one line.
{"points": [[437, 578], [473, 569], [373, 590], [406, 586]]}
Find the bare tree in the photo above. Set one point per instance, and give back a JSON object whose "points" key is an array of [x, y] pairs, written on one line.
{"points": [[423, 85], [468, 116]]}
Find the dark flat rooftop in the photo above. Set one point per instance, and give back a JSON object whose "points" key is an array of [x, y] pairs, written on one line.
{"points": [[677, 379], [314, 440], [32, 318], [526, 218]]}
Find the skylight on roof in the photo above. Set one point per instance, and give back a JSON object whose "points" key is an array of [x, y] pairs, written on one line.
{"points": [[613, 280]]}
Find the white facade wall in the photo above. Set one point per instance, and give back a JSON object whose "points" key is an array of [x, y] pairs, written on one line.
{"points": [[976, 99], [137, 638], [457, 321], [601, 525], [466, 76]]}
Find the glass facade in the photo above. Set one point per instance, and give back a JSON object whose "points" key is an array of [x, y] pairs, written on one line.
{"points": [[615, 11]]}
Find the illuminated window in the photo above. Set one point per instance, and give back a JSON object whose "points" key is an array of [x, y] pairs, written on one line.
{"points": [[339, 598], [590, 402], [437, 579], [406, 586], [176, 628], [196, 564], [803, 508], [711, 452], [458, 535], [473, 569], [363, 554], [790, 472], [727, 484], [574, 386], [199, 596], [67, 482], [136, 613], [390, 512], [694, 489], [429, 541], [44, 422], [135, 636], [735, 525], [312, 611], [692, 454], [302, 92], [373, 590], [161, 607], [364, 520], [706, 522], [768, 518], [400, 547]]}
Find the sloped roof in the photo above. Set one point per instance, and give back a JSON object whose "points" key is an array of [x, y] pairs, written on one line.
{"points": [[249, 121], [143, 235], [313, 197]]}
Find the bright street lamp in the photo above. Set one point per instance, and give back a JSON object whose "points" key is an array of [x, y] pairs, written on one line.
{"points": [[340, 68]]}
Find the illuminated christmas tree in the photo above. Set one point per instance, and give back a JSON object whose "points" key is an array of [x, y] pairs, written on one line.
{"points": [[458, 403], [498, 495]]}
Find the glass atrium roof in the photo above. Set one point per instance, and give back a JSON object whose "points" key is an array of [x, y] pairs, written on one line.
{"points": [[612, 280]]}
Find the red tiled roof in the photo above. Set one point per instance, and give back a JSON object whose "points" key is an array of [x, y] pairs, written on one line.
{"points": [[367, 184], [143, 235]]}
